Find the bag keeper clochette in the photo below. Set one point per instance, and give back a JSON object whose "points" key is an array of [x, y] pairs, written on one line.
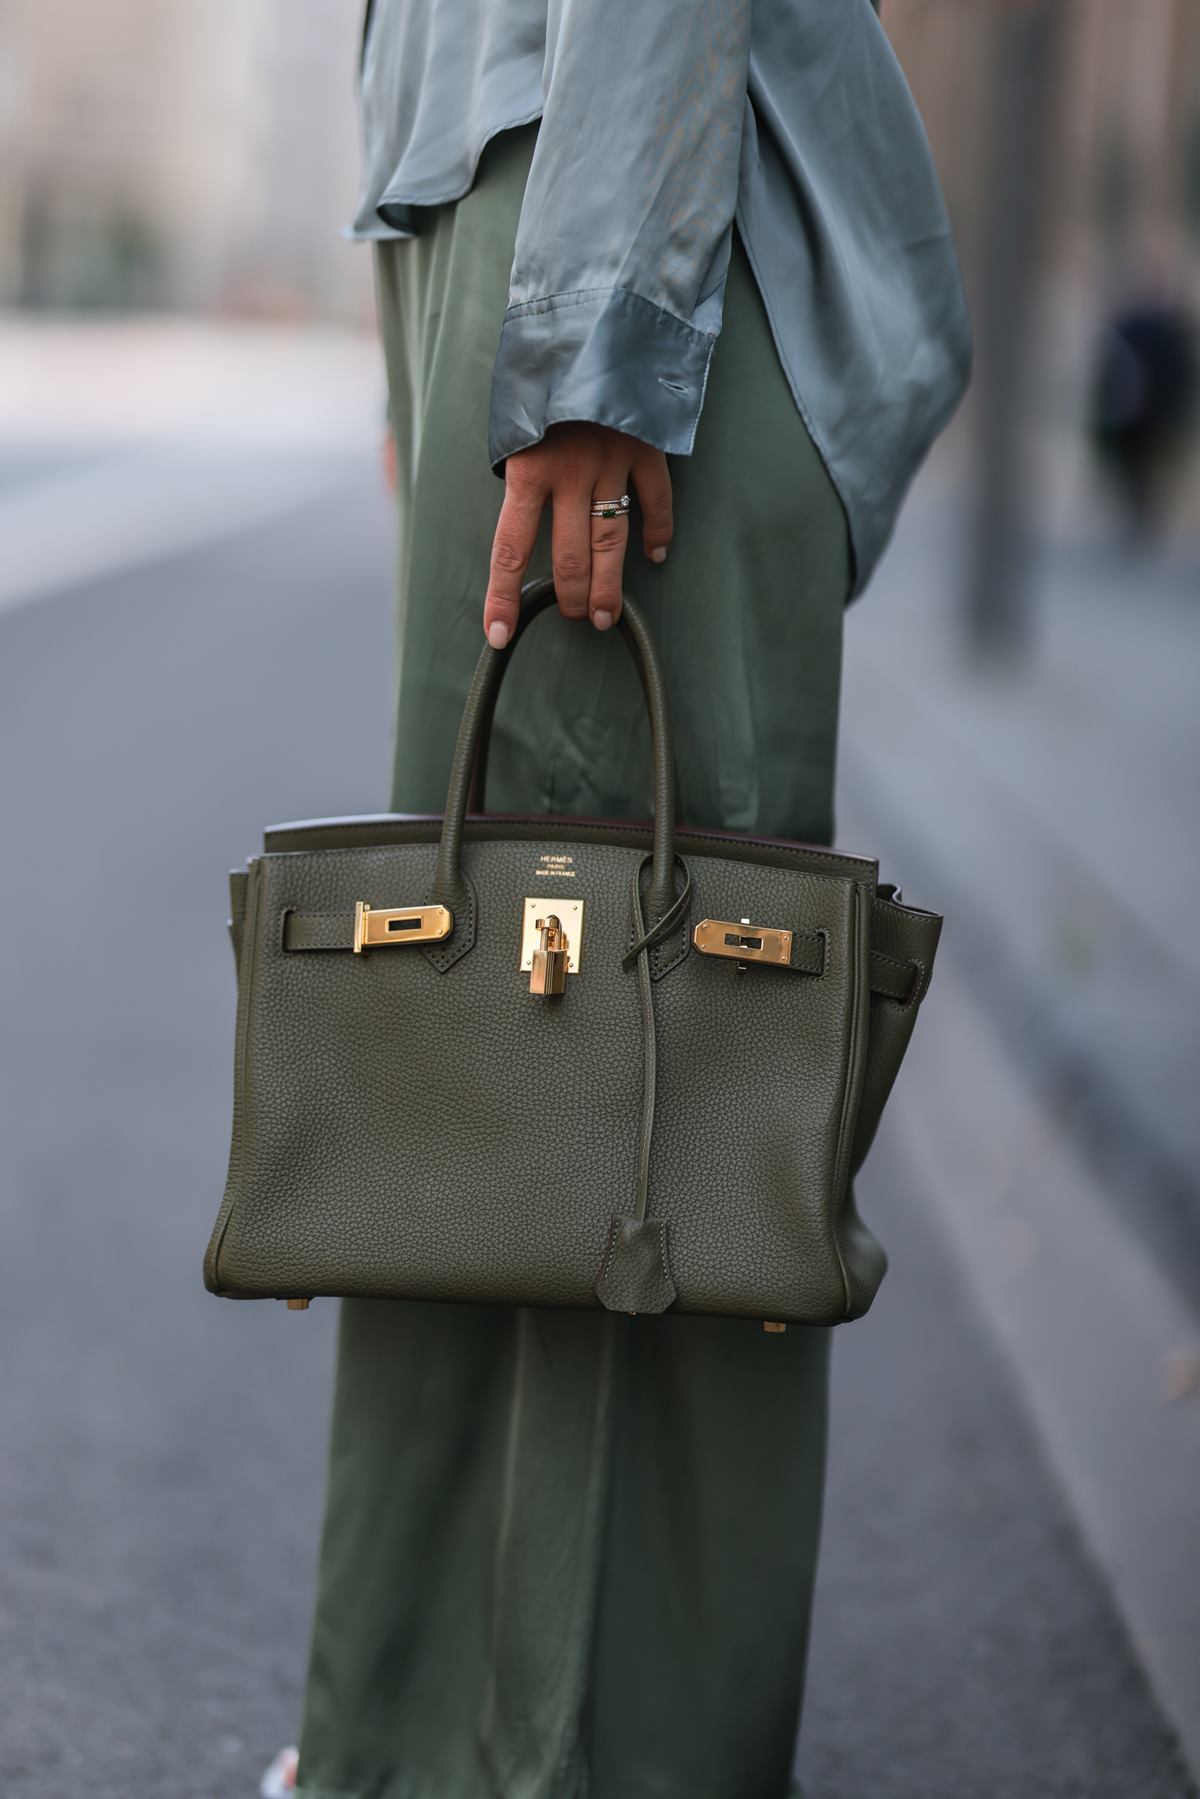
{"points": [[561, 1061]]}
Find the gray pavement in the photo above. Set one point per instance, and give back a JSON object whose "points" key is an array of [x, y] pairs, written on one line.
{"points": [[1052, 811], [161, 1452], [963, 1642], [1049, 1113]]}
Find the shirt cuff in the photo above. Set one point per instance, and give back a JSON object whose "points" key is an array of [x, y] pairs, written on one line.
{"points": [[606, 355]]}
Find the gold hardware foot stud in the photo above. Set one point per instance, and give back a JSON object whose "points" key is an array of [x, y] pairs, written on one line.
{"points": [[297, 1305], [777, 1329]]}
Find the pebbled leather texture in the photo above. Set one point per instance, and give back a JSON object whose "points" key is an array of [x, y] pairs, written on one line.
{"points": [[408, 1130]]}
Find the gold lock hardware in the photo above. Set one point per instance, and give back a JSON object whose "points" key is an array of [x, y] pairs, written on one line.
{"points": [[377, 925], [742, 940], [549, 971], [569, 915]]}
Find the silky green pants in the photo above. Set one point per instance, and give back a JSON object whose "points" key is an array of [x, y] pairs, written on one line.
{"points": [[570, 1555]]}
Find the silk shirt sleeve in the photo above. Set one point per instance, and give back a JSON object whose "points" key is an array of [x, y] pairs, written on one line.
{"points": [[623, 243]]}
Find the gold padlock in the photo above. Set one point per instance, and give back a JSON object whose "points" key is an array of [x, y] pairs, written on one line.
{"points": [[549, 971]]}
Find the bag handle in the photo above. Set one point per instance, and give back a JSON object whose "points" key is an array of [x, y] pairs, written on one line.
{"points": [[450, 886], [477, 792]]}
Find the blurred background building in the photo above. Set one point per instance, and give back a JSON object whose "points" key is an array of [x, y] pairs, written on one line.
{"points": [[1067, 135], [1124, 180], [199, 156]]}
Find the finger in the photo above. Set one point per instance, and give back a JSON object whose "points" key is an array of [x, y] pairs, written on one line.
{"points": [[512, 547], [609, 538], [571, 548], [652, 478]]}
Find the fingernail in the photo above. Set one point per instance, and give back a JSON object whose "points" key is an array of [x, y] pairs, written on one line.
{"points": [[497, 634], [602, 620], [658, 555]]}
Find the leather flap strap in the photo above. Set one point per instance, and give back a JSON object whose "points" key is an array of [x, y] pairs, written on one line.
{"points": [[808, 952], [318, 930], [894, 979]]}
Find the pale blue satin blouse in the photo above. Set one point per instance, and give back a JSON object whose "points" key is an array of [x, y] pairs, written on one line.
{"points": [[663, 122]]}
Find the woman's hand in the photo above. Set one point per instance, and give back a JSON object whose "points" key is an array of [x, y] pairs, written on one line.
{"points": [[574, 464]]}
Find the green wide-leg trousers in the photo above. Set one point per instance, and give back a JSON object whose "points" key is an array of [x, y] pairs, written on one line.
{"points": [[570, 1555]]}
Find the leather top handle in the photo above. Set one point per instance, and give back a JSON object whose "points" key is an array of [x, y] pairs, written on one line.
{"points": [[477, 792], [450, 887]]}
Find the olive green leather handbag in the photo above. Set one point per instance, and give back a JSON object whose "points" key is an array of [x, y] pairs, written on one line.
{"points": [[561, 1061]]}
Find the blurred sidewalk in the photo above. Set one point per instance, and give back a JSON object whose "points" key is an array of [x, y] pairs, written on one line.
{"points": [[153, 376], [1051, 812], [1047, 1111], [127, 439]]}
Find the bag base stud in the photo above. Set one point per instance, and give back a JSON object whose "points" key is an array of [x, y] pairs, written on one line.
{"points": [[768, 1325], [297, 1305]]}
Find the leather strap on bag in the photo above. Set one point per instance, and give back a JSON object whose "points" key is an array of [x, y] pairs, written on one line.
{"points": [[635, 1270]]}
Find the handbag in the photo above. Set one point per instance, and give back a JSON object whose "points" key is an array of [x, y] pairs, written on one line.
{"points": [[558, 1061]]}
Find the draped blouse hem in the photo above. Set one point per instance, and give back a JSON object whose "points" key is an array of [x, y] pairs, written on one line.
{"points": [[396, 211]]}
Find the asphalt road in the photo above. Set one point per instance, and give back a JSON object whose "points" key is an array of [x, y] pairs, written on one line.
{"points": [[161, 1452]]}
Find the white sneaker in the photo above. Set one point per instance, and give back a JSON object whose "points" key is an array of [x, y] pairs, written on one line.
{"points": [[280, 1778]]}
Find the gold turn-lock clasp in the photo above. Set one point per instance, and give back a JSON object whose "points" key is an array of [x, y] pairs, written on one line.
{"points": [[744, 941], [549, 971], [377, 925], [551, 941]]}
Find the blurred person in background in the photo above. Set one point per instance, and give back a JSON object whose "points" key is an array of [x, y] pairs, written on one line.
{"points": [[682, 277], [1144, 401]]}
